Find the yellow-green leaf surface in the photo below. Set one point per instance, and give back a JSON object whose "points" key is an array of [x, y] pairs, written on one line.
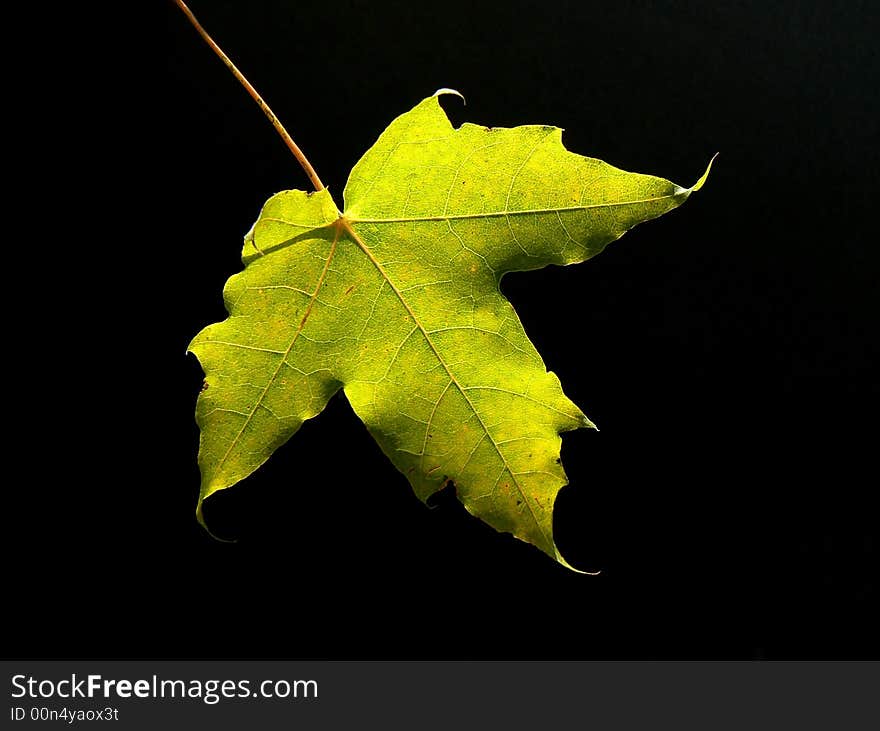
{"points": [[396, 301]]}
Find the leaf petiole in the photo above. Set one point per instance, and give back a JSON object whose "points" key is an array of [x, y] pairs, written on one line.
{"points": [[288, 140]]}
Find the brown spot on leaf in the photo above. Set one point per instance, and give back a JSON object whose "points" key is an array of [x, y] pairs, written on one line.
{"points": [[349, 290], [204, 386]]}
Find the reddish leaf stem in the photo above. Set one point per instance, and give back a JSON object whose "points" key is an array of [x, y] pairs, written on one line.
{"points": [[294, 148]]}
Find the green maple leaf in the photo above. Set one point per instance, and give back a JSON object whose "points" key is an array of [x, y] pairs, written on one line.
{"points": [[395, 300]]}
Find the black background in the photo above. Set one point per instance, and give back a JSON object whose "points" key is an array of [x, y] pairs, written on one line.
{"points": [[727, 351]]}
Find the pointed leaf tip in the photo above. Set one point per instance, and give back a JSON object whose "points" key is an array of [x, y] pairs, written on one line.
{"points": [[200, 517], [444, 90], [567, 565], [699, 184]]}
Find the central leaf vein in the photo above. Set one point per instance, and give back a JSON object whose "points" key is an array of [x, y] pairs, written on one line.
{"points": [[524, 212]]}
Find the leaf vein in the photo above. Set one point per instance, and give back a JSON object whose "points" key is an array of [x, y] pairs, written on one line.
{"points": [[523, 212], [293, 340]]}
